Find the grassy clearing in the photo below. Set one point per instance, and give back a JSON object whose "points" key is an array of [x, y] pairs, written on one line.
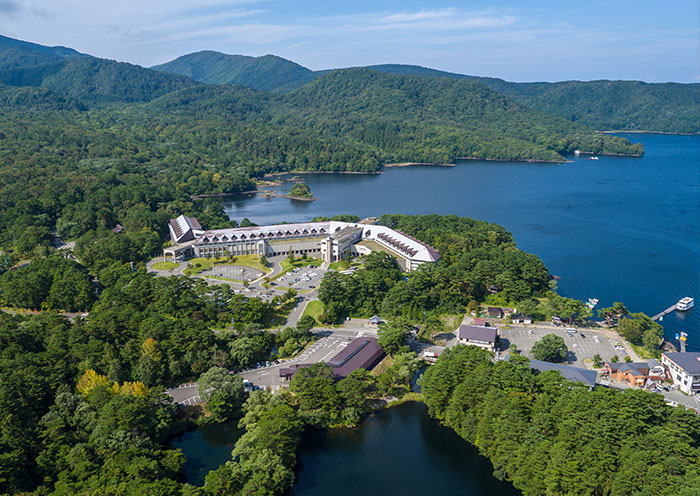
{"points": [[198, 265], [642, 352], [163, 265], [314, 309], [344, 264]]}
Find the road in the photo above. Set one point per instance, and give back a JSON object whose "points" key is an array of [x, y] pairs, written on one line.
{"points": [[308, 289], [329, 344]]}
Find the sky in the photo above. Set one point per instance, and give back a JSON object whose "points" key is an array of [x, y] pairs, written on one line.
{"points": [[648, 40]]}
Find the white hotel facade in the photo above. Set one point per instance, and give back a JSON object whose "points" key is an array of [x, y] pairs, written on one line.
{"points": [[330, 240]]}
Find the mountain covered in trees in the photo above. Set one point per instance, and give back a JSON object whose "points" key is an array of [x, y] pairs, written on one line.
{"points": [[267, 73], [75, 75], [87, 143], [602, 105]]}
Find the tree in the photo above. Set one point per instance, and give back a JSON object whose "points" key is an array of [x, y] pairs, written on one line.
{"points": [[597, 361], [615, 359], [306, 323], [393, 335], [640, 329], [223, 393], [551, 348], [300, 190]]}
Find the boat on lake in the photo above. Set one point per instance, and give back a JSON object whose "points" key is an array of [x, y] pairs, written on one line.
{"points": [[685, 304], [592, 302]]}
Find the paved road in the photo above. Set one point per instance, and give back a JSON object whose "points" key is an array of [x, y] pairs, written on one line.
{"points": [[331, 342], [329, 345]]}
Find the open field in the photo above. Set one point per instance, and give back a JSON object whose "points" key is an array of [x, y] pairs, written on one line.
{"points": [[165, 265], [314, 309]]}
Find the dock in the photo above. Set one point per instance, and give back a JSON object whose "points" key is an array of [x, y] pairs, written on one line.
{"points": [[670, 309]]}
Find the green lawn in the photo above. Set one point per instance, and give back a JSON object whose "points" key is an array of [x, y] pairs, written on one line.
{"points": [[197, 265], [314, 308], [344, 264], [162, 265]]}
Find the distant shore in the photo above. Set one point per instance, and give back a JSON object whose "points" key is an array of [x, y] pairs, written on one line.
{"points": [[408, 164], [648, 132], [278, 174], [526, 160]]}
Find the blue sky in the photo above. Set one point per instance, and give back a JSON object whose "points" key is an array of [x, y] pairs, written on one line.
{"points": [[649, 40]]}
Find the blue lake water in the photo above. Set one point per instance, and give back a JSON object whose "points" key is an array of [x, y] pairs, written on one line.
{"points": [[397, 451], [207, 448], [617, 228]]}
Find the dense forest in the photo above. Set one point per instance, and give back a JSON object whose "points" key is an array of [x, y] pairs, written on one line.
{"points": [[475, 255], [602, 105], [550, 436], [90, 143]]}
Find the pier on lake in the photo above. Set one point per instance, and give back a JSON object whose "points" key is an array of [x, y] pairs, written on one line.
{"points": [[670, 309]]}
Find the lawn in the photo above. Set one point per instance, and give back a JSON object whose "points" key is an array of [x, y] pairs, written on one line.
{"points": [[344, 264], [198, 265], [162, 265], [314, 308]]}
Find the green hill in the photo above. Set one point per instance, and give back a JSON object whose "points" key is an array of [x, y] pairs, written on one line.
{"points": [[439, 119], [602, 105], [267, 73], [82, 77]]}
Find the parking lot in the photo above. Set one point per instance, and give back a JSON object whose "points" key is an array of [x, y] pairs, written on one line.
{"points": [[303, 278], [329, 345], [233, 272], [582, 344]]}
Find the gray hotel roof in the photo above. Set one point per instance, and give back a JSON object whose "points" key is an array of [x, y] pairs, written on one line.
{"points": [[688, 361]]}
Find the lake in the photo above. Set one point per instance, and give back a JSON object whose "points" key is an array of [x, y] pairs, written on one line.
{"points": [[398, 450], [618, 228], [206, 449]]}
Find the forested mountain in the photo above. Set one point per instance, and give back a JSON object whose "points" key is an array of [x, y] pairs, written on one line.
{"points": [[602, 105], [75, 75], [438, 120], [267, 73]]}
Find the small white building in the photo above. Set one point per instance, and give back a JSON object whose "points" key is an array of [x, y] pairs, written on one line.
{"points": [[684, 370], [483, 337]]}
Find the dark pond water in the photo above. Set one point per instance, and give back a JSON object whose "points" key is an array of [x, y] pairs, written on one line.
{"points": [[207, 448], [618, 229], [398, 451]]}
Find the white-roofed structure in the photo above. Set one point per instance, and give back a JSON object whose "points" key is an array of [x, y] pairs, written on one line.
{"points": [[184, 229], [329, 240]]}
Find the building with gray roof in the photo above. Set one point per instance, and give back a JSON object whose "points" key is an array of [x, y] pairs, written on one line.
{"points": [[684, 369]]}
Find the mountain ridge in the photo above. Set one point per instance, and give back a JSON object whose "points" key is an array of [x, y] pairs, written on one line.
{"points": [[602, 104]]}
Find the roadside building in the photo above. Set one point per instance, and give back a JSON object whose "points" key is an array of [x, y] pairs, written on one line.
{"points": [[361, 353], [521, 318], [576, 374], [684, 370], [481, 322], [494, 312], [636, 374], [483, 337]]}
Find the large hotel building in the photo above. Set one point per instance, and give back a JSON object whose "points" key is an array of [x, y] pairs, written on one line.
{"points": [[328, 240]]}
